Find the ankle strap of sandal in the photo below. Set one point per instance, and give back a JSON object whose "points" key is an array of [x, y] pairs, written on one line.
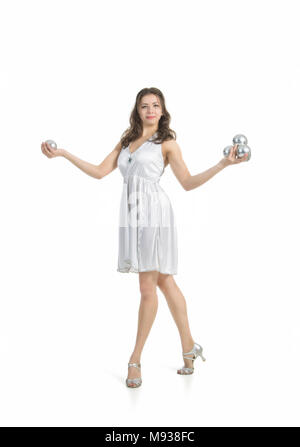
{"points": [[136, 365]]}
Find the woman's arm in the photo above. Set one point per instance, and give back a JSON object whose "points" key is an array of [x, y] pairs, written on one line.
{"points": [[96, 171], [197, 180], [88, 168], [181, 172]]}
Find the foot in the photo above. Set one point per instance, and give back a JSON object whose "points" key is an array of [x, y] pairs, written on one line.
{"points": [[133, 372], [187, 363]]}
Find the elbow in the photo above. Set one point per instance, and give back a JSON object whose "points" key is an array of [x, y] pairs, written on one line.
{"points": [[186, 185], [99, 174]]}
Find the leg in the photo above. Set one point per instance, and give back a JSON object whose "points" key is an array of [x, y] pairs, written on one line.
{"points": [[178, 308], [146, 317]]}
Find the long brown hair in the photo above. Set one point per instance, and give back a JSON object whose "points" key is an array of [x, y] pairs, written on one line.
{"points": [[135, 130]]}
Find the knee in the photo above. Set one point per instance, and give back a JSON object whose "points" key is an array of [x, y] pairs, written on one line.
{"points": [[148, 292], [164, 281]]}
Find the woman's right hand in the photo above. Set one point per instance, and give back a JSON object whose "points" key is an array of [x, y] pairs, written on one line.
{"points": [[50, 152]]}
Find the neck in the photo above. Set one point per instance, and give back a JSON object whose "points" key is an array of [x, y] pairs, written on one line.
{"points": [[147, 133]]}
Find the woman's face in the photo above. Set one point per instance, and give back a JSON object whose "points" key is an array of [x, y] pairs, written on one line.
{"points": [[150, 110]]}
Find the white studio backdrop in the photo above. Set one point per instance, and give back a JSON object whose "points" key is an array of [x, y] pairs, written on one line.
{"points": [[70, 71]]}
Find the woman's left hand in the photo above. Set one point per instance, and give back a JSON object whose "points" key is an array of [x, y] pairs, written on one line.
{"points": [[231, 159]]}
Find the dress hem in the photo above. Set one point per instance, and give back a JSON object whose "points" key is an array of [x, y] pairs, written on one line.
{"points": [[133, 270]]}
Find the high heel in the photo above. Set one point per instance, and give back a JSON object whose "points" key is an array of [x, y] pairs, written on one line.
{"points": [[196, 352], [138, 381]]}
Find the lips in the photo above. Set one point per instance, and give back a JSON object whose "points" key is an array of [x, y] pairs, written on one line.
{"points": [[150, 116]]}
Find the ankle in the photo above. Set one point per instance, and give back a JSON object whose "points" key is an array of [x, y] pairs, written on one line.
{"points": [[187, 346], [135, 358]]}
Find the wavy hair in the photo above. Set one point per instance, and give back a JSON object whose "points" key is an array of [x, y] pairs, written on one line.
{"points": [[135, 130]]}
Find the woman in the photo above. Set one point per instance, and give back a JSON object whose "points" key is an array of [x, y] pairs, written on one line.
{"points": [[147, 230]]}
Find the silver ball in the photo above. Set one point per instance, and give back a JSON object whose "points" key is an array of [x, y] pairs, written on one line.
{"points": [[243, 149], [227, 150], [240, 139], [52, 144]]}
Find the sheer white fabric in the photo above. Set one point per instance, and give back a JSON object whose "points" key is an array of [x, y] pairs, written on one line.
{"points": [[147, 226]]}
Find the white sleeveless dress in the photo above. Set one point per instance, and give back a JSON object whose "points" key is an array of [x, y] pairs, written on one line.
{"points": [[147, 226]]}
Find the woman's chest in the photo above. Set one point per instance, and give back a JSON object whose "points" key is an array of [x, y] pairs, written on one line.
{"points": [[148, 157]]}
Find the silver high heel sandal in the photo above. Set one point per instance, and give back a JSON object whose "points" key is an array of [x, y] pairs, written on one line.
{"points": [[196, 352], [138, 381]]}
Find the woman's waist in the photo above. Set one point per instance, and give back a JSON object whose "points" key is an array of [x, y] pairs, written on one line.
{"points": [[142, 189], [139, 178]]}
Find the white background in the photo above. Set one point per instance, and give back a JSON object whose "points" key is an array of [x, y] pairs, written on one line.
{"points": [[70, 71]]}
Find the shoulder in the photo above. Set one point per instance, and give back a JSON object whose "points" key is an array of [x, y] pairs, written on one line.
{"points": [[119, 146], [171, 146]]}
